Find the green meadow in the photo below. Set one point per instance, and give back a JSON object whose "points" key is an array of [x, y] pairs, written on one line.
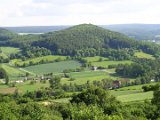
{"points": [[55, 67], [13, 73], [143, 55], [49, 58], [95, 59], [107, 63]]}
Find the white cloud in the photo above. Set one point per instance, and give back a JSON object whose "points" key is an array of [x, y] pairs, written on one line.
{"points": [[60, 12]]}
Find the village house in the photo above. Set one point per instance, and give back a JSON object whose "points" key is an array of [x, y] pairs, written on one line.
{"points": [[116, 84], [94, 68]]}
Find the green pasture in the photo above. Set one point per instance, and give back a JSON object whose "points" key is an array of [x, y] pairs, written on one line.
{"points": [[95, 59], [26, 86], [143, 55], [23, 87], [141, 96], [107, 63], [49, 58], [9, 50], [3, 55], [127, 96], [55, 67], [135, 87], [13, 73], [83, 77]]}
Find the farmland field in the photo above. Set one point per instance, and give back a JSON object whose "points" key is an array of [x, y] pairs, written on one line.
{"points": [[128, 96], [9, 50], [49, 58], [13, 73], [143, 55], [136, 97], [55, 67], [23, 87], [107, 63], [95, 59], [83, 77]]}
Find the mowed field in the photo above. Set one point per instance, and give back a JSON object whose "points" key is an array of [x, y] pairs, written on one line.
{"points": [[6, 51], [55, 67], [13, 73], [95, 59], [143, 55], [82, 77], [107, 63], [9, 50], [23, 87], [133, 93], [49, 58]]}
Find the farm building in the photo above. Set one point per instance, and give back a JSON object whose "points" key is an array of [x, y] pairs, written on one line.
{"points": [[94, 68], [116, 84]]}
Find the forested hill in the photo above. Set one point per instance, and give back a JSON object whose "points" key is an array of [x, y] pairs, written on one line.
{"points": [[82, 37], [6, 34], [81, 40]]}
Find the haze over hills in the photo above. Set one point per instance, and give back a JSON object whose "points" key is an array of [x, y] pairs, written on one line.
{"points": [[137, 31], [36, 29]]}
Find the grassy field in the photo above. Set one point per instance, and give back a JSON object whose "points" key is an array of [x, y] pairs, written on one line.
{"points": [[107, 63], [143, 55], [127, 96], [83, 77], [49, 58], [23, 87], [13, 73], [55, 67], [133, 93], [141, 96], [95, 59], [3, 55], [9, 50], [136, 87]]}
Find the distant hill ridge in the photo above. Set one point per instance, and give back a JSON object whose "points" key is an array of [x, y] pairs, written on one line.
{"points": [[137, 31], [84, 37], [6, 34]]}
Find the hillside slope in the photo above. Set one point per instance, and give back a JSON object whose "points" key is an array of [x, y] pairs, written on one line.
{"points": [[6, 34], [82, 37], [82, 40]]}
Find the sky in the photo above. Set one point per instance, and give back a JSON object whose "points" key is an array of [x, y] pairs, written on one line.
{"points": [[73, 12]]}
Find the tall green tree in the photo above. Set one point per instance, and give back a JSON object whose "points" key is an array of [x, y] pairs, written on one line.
{"points": [[3, 74], [100, 97], [55, 82]]}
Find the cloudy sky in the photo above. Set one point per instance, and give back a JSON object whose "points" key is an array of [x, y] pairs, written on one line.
{"points": [[72, 12]]}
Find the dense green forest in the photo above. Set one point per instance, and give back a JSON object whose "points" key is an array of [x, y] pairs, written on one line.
{"points": [[80, 40]]}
